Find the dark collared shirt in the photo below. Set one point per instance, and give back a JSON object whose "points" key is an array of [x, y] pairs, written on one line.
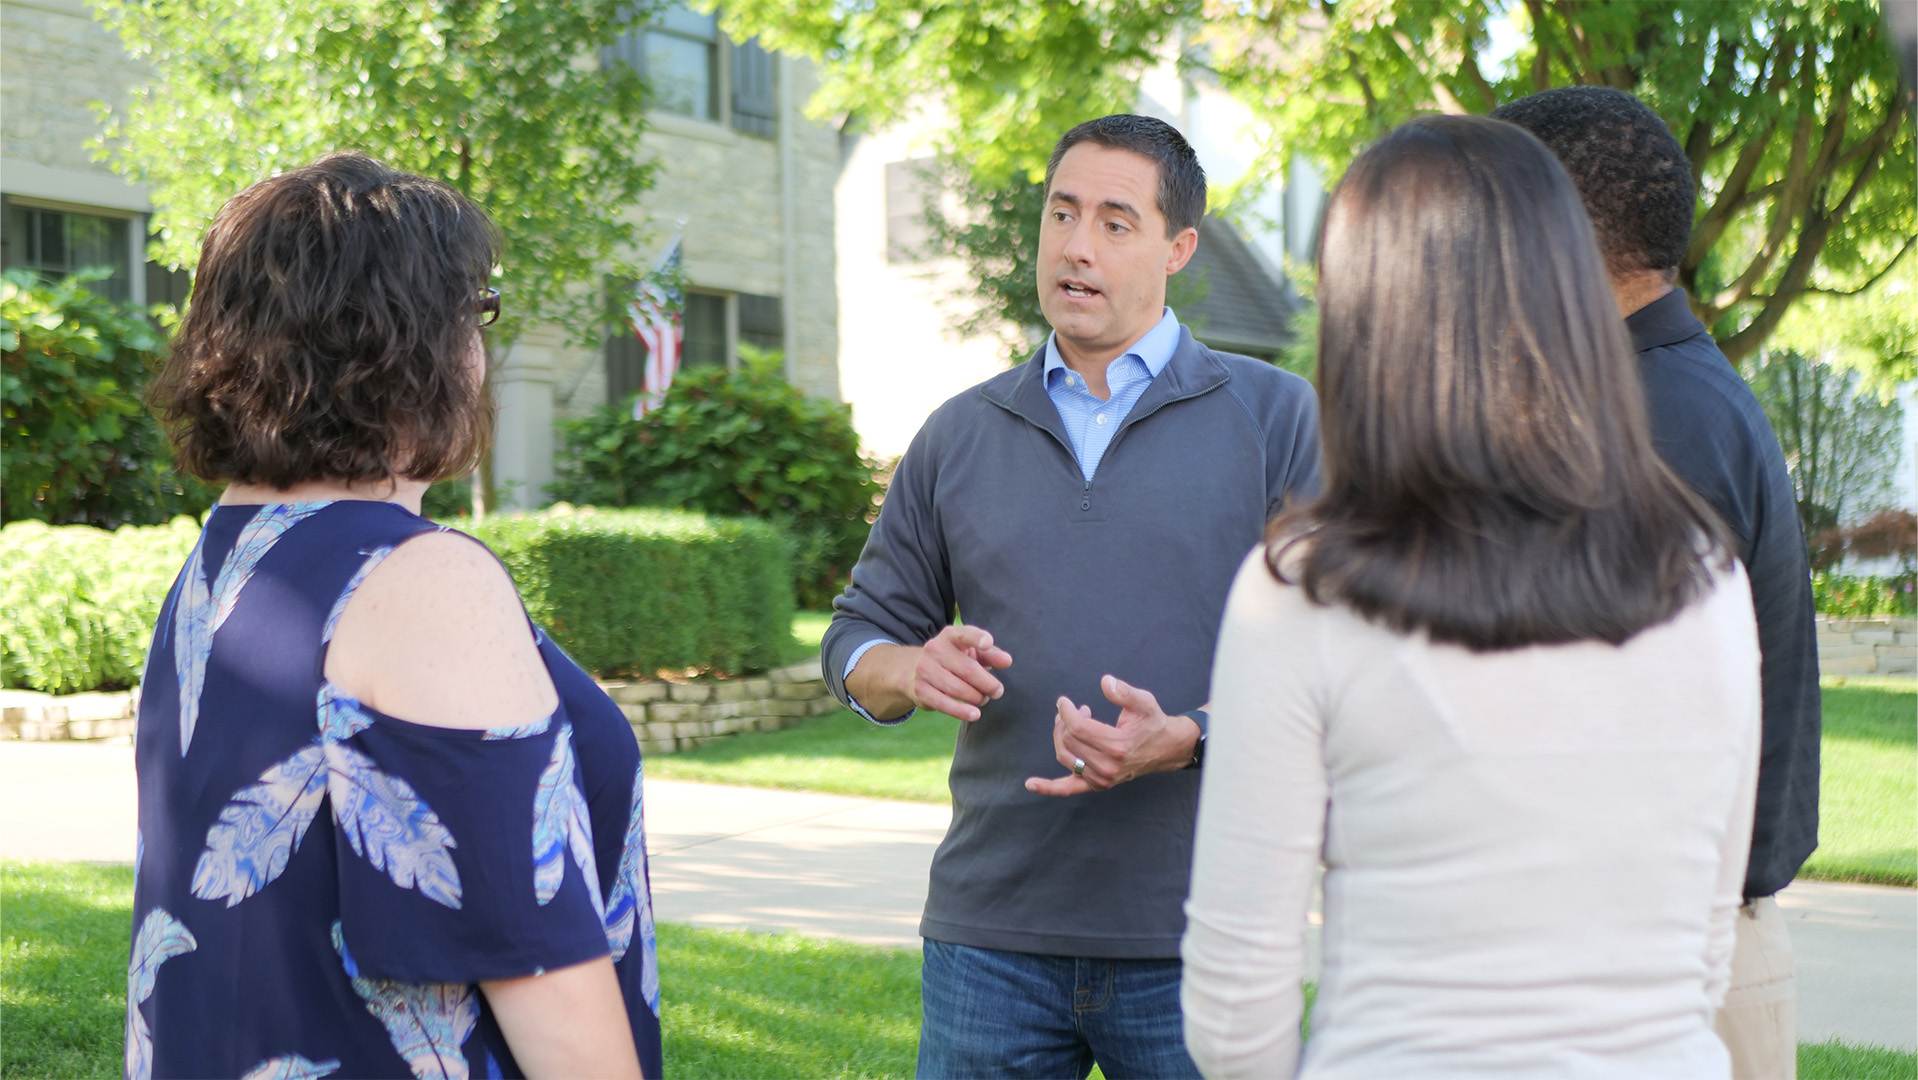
{"points": [[1711, 431]]}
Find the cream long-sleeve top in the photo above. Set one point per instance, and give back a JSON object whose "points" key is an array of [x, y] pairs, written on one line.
{"points": [[1532, 857]]}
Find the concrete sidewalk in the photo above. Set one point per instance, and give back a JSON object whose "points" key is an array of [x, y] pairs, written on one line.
{"points": [[856, 868]]}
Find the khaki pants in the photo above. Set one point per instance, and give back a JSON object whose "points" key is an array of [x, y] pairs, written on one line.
{"points": [[1759, 1021]]}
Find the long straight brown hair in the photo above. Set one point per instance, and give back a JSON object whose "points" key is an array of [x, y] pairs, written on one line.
{"points": [[1489, 472]]}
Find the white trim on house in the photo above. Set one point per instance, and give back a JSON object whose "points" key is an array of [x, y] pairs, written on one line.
{"points": [[73, 189]]}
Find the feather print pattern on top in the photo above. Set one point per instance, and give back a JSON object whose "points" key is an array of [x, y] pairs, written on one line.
{"points": [[374, 557], [560, 824], [292, 1067], [260, 829], [427, 1023], [161, 938], [384, 819], [203, 609], [631, 905], [523, 731], [192, 640], [341, 715], [390, 826]]}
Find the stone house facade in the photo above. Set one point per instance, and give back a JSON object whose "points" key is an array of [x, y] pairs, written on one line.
{"points": [[744, 181]]}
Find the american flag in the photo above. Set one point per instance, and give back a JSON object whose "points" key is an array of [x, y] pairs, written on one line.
{"points": [[655, 313]]}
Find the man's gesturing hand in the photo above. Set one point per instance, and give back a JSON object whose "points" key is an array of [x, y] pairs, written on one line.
{"points": [[948, 674], [1145, 740]]}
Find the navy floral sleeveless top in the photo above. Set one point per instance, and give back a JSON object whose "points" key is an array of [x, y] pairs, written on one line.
{"points": [[320, 886]]}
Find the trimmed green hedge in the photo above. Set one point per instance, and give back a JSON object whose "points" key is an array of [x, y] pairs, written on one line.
{"points": [[78, 603], [625, 592], [632, 592]]}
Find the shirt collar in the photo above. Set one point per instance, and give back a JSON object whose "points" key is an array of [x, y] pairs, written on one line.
{"points": [[1154, 350], [1665, 321]]}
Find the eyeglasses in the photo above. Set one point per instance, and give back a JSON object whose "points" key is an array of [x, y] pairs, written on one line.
{"points": [[488, 307]]}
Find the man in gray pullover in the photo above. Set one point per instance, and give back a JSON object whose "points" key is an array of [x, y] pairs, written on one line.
{"points": [[1084, 513]]}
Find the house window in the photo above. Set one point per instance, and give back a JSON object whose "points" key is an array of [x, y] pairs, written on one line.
{"points": [[57, 242], [712, 325], [678, 54], [694, 72], [907, 234], [703, 341]]}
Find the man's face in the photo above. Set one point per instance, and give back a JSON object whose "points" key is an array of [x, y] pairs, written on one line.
{"points": [[1103, 252]]}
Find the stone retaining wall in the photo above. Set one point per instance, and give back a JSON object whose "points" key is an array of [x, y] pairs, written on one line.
{"points": [[669, 717], [1867, 645], [666, 716], [25, 714]]}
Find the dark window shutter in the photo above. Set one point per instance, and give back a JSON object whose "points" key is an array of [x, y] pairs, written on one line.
{"points": [[755, 90], [625, 363], [761, 322]]}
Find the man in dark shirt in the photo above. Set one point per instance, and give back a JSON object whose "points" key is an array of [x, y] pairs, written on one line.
{"points": [[1637, 186]]}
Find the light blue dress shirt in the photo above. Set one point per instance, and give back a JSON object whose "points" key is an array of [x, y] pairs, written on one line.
{"points": [[1090, 423]]}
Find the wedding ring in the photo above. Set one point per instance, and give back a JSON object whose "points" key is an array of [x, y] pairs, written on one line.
{"points": [[1078, 766]]}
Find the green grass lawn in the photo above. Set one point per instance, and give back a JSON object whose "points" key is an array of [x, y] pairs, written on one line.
{"points": [[64, 934], [1868, 791], [1868, 829], [736, 1004], [809, 627], [840, 752]]}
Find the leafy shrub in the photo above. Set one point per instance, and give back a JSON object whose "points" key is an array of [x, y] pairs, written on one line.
{"points": [[1847, 594], [624, 592], [448, 500], [77, 604], [632, 592], [80, 446], [735, 443]]}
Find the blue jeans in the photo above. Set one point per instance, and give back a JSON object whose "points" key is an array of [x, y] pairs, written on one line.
{"points": [[988, 1013]]}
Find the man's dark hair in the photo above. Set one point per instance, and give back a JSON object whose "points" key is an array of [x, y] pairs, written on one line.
{"points": [[1181, 180], [1631, 172], [331, 331]]}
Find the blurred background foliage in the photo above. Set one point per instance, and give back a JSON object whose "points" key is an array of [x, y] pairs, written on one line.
{"points": [[78, 442], [742, 442], [1791, 112]]}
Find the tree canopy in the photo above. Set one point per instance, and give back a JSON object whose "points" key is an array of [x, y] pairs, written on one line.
{"points": [[1789, 110], [1010, 75], [501, 99]]}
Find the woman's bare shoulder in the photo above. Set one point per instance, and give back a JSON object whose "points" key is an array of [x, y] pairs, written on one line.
{"points": [[436, 635]]}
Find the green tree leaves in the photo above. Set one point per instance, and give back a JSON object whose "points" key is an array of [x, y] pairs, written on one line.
{"points": [[1789, 110], [79, 445], [503, 99], [1010, 75]]}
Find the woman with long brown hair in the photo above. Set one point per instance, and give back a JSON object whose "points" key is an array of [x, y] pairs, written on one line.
{"points": [[1501, 677]]}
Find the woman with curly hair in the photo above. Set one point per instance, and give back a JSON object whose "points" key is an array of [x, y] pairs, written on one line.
{"points": [[387, 828]]}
